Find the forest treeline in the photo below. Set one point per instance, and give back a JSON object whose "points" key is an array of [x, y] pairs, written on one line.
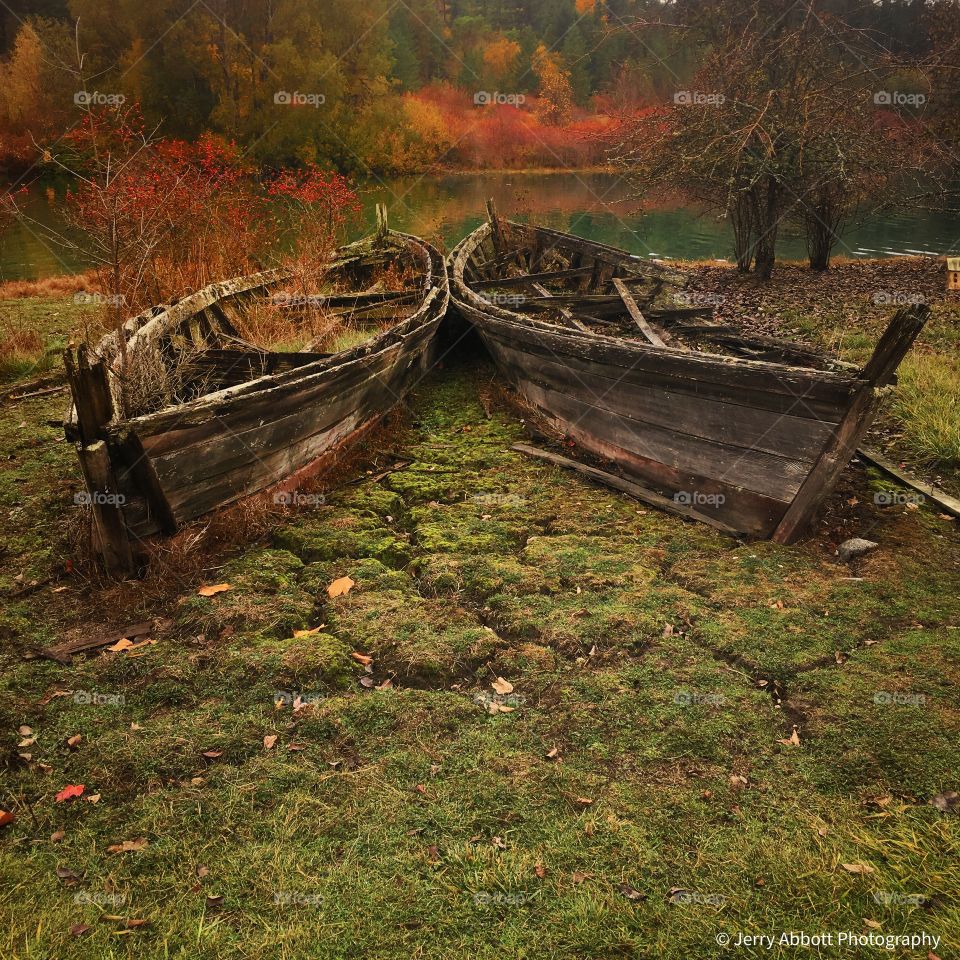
{"points": [[372, 84]]}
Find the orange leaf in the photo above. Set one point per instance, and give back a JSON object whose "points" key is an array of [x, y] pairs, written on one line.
{"points": [[215, 589], [269, 741], [362, 658], [70, 791], [339, 587], [308, 633], [123, 644], [6, 818]]}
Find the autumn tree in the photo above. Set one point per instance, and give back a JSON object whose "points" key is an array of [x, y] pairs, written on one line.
{"points": [[555, 95]]}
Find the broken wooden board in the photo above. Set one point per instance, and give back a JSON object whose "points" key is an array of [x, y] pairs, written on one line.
{"points": [[63, 652], [943, 500]]}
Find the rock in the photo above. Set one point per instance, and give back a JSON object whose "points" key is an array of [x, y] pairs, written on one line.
{"points": [[855, 547]]}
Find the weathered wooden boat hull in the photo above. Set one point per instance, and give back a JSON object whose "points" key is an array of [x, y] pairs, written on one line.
{"points": [[178, 463], [748, 445]]}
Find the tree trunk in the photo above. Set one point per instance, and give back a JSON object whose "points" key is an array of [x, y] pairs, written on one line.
{"points": [[742, 220], [767, 214]]}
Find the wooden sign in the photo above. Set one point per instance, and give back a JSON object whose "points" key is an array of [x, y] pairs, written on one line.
{"points": [[953, 273]]}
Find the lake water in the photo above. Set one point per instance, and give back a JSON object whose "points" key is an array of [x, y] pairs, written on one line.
{"points": [[593, 205]]}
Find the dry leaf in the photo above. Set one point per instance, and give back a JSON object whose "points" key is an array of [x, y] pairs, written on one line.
{"points": [[93, 798], [793, 741], [69, 792], [202, 872], [578, 876], [129, 846], [872, 924], [501, 686], [858, 868], [362, 658], [367, 682], [25, 731], [584, 801], [737, 782], [269, 741], [214, 589], [308, 633], [134, 924], [74, 741], [295, 747], [27, 742], [946, 801], [57, 836], [79, 929], [553, 754], [631, 893], [386, 685], [6, 818], [539, 869], [340, 587], [123, 644], [212, 754]]}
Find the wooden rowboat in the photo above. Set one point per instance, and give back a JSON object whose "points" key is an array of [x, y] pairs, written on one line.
{"points": [[238, 419], [611, 351]]}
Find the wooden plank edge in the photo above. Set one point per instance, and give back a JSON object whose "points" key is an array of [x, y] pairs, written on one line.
{"points": [[635, 490], [943, 500]]}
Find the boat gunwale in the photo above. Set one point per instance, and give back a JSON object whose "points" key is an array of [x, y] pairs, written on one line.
{"points": [[435, 285], [460, 287]]}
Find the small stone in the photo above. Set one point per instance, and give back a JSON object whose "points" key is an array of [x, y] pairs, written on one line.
{"points": [[855, 547]]}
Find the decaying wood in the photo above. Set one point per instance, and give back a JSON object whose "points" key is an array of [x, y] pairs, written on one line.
{"points": [[63, 652], [750, 439]]}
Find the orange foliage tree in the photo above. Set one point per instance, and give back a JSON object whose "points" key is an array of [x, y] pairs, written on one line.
{"points": [[555, 102]]}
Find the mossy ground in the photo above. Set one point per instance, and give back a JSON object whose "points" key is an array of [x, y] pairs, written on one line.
{"points": [[663, 662]]}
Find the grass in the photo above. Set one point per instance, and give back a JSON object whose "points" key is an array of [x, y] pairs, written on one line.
{"points": [[657, 669], [927, 405]]}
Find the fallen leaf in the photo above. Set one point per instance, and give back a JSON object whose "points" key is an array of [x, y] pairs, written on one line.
{"points": [[214, 902], [79, 929], [74, 741], [386, 685], [70, 791], [27, 742], [269, 741], [631, 893], [362, 658], [123, 644], [129, 846], [793, 740], [214, 589], [295, 747], [6, 818], [25, 731], [498, 843], [93, 798], [134, 924], [340, 587], [202, 871], [737, 782], [501, 686], [308, 633], [539, 869], [212, 754], [858, 868], [68, 877], [578, 876], [946, 801], [433, 853], [584, 801], [872, 924], [57, 836], [553, 754]]}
